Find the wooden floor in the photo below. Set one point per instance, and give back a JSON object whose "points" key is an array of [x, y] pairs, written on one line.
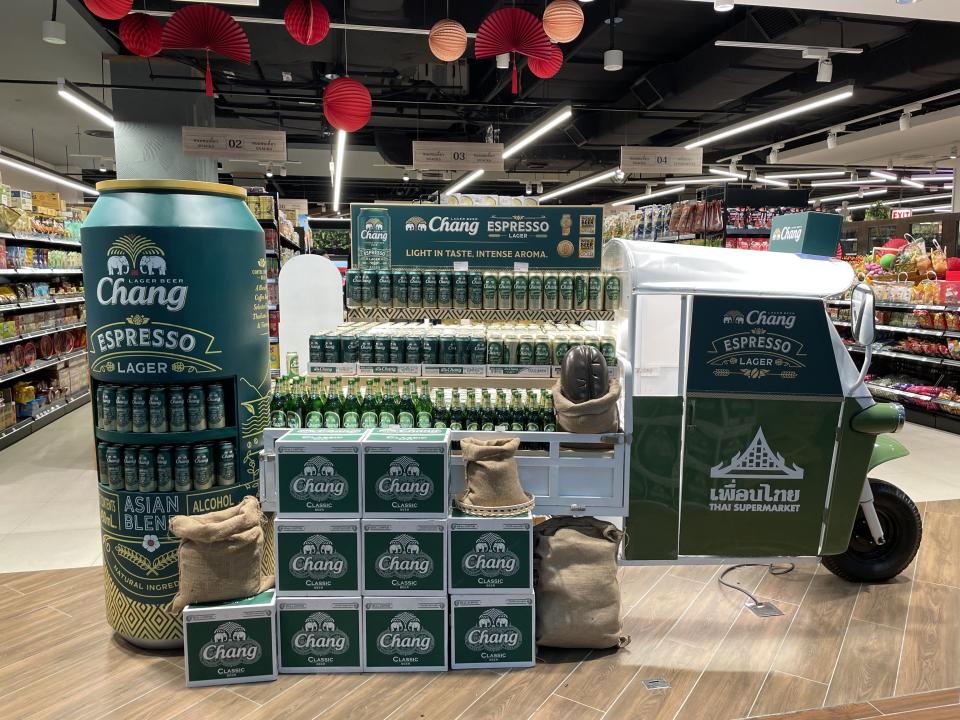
{"points": [[836, 644]]}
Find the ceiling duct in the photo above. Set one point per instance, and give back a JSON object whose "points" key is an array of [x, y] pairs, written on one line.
{"points": [[774, 22]]}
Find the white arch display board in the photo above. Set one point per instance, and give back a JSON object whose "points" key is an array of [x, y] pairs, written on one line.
{"points": [[311, 302]]}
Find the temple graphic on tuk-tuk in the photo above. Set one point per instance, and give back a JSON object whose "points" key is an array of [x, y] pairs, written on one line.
{"points": [[757, 462]]}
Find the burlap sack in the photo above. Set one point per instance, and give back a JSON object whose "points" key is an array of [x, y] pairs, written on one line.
{"points": [[220, 554], [577, 590], [601, 415], [491, 473]]}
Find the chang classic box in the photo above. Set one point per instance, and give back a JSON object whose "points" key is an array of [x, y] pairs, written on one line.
{"points": [[404, 557], [318, 473], [405, 473], [490, 555], [405, 634], [317, 557], [492, 631], [319, 634], [231, 642]]}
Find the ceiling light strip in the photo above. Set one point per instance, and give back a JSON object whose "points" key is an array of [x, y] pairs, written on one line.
{"points": [[538, 130], [806, 175], [338, 168], [729, 174], [767, 180], [706, 180], [49, 175], [649, 196], [564, 189], [463, 182], [785, 46], [846, 196], [846, 183], [89, 104]]}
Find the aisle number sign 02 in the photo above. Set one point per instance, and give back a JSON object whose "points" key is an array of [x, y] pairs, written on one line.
{"points": [[642, 160], [234, 144], [428, 155]]}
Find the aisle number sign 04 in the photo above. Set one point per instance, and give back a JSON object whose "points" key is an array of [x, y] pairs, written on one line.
{"points": [[428, 155], [639, 160], [234, 144], [425, 236]]}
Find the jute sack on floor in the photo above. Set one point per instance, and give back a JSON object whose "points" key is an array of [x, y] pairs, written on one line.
{"points": [[577, 590], [493, 481], [220, 554], [600, 415]]}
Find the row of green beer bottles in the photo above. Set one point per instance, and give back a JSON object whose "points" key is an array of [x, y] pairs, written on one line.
{"points": [[295, 405]]}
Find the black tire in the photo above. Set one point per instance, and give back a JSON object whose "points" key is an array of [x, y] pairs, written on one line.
{"points": [[864, 560]]}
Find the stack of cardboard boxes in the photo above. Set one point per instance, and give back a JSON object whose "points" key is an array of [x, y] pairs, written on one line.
{"points": [[374, 572]]}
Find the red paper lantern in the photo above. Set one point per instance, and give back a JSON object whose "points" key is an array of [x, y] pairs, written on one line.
{"points": [[141, 34], [205, 27], [562, 20], [109, 9], [546, 69], [346, 104], [447, 40], [307, 21]]}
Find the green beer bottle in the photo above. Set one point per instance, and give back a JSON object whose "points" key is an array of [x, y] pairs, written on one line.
{"points": [[424, 406], [333, 408], [292, 405], [388, 409], [487, 421], [473, 415], [534, 416], [313, 418], [407, 417], [278, 414], [457, 417], [351, 407], [549, 422], [517, 415], [441, 413], [501, 416], [368, 408]]}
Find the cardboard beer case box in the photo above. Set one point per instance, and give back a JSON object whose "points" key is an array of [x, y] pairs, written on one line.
{"points": [[318, 473], [492, 631], [320, 634], [404, 557], [317, 557], [405, 634], [490, 555], [406, 473], [231, 642]]}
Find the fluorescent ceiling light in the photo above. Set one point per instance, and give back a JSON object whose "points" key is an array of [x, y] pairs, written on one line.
{"points": [[771, 181], [729, 173], [835, 95], [911, 183], [338, 168], [245, 3], [847, 196], [463, 182], [785, 46], [881, 174], [723, 5], [933, 208], [842, 183], [804, 175], [933, 178], [89, 104], [649, 196], [698, 180], [564, 189], [46, 174], [922, 198], [538, 130]]}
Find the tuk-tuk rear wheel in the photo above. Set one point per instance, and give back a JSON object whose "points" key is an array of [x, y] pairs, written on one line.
{"points": [[864, 560]]}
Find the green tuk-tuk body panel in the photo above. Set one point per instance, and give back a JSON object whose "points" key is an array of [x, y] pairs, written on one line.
{"points": [[885, 448]]}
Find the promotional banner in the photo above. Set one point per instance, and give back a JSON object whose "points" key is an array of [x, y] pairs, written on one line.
{"points": [[398, 236]]}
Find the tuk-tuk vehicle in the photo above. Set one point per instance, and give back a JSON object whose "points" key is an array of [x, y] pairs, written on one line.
{"points": [[749, 430]]}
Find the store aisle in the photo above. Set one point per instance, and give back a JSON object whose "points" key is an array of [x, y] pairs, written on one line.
{"points": [[49, 517]]}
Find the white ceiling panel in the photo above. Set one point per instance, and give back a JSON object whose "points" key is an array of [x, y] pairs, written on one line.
{"points": [[921, 10]]}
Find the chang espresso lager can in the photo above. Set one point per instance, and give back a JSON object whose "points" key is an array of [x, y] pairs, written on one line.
{"points": [[520, 291], [492, 631], [405, 473], [318, 473], [414, 289], [405, 634], [365, 348], [444, 289], [551, 291], [373, 248], [102, 463], [505, 291], [147, 470], [216, 407], [430, 287], [368, 288], [461, 289], [182, 474], [401, 286], [165, 469], [430, 349], [115, 467], [535, 291], [108, 407], [490, 290], [404, 557], [611, 292], [580, 282], [226, 464], [318, 556], [131, 479], [595, 291], [177, 408], [354, 288], [203, 474], [384, 289], [139, 410], [565, 290], [158, 410], [196, 408], [475, 290], [123, 419], [319, 634]]}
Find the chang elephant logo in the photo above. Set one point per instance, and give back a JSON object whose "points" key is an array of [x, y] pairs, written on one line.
{"points": [[320, 636], [493, 633], [319, 482], [318, 560], [230, 647], [490, 558], [373, 229], [405, 636], [137, 275], [415, 224], [404, 481], [404, 560], [733, 317]]}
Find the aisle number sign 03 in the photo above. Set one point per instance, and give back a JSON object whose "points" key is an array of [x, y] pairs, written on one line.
{"points": [[428, 155], [642, 160], [234, 144], [433, 236]]}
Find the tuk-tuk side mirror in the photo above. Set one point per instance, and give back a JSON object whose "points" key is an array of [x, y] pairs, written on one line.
{"points": [[861, 314]]}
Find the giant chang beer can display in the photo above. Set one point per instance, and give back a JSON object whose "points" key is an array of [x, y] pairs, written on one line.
{"points": [[490, 555], [231, 642], [406, 473], [318, 473], [404, 557], [405, 634], [492, 631], [318, 557], [319, 634], [176, 297]]}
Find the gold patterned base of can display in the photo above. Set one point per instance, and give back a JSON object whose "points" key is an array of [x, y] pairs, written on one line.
{"points": [[569, 316]]}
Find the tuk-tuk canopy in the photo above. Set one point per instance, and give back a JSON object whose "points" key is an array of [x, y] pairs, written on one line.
{"points": [[680, 269]]}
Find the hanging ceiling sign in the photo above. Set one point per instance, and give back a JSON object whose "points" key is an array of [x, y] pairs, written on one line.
{"points": [[234, 144], [638, 160], [428, 155]]}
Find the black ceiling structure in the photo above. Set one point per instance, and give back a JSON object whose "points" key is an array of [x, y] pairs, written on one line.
{"points": [[675, 84]]}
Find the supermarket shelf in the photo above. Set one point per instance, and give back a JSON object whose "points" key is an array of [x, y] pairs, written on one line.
{"points": [[909, 356], [40, 365], [287, 243], [41, 240], [41, 304], [337, 252], [747, 232], [23, 428], [41, 333], [881, 390], [910, 331], [168, 438], [483, 315], [38, 272], [271, 222]]}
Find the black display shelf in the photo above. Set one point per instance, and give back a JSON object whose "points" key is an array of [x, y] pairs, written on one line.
{"points": [[59, 242], [168, 438]]}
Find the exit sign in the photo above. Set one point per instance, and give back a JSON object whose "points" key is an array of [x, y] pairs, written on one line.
{"points": [[901, 213]]}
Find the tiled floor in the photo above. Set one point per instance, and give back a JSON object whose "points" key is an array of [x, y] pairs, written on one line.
{"points": [[49, 518]]}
